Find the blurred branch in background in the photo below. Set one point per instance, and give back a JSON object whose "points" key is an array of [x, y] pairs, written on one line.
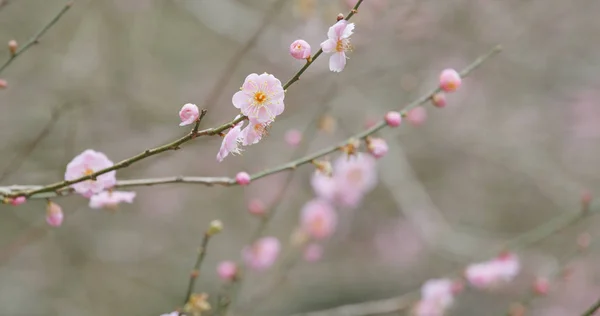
{"points": [[36, 38], [592, 310], [406, 301]]}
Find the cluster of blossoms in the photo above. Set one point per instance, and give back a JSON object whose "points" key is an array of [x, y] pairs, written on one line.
{"points": [[437, 296], [493, 273]]}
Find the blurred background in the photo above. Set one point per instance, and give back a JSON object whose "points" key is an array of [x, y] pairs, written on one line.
{"points": [[514, 149]]}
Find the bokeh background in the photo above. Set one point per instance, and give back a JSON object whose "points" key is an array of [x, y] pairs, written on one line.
{"points": [[514, 149]]}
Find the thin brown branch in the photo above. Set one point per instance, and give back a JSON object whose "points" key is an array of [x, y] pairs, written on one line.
{"points": [[37, 37], [196, 270], [61, 188]]}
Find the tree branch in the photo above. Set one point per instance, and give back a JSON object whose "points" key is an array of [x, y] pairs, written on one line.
{"points": [[37, 37], [592, 309]]}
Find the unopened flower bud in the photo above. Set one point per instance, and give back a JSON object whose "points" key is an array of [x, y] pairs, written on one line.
{"points": [[54, 214], [215, 227], [340, 17], [242, 178], [3, 84], [12, 47]]}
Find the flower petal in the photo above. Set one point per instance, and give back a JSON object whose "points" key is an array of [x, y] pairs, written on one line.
{"points": [[337, 62], [328, 46]]}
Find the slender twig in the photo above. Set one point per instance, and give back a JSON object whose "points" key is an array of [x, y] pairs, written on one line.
{"points": [[170, 146], [37, 37], [399, 303], [60, 188], [196, 270], [592, 309]]}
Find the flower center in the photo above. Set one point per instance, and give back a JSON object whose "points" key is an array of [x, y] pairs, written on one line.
{"points": [[260, 97], [298, 46], [88, 171]]}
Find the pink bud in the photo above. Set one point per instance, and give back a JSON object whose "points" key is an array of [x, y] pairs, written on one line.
{"points": [[439, 100], [417, 116], [313, 252], [242, 178], [450, 80], [293, 137], [300, 49], [3, 84], [257, 207], [54, 214], [227, 270], [393, 118], [541, 286], [377, 147], [18, 200], [188, 114]]}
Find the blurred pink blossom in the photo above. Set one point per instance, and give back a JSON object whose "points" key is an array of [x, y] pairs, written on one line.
{"points": [[87, 163], [293, 137], [171, 314], [110, 199], [439, 100], [54, 214], [227, 270], [493, 273], [417, 116], [338, 43], [261, 98], [18, 200], [188, 114], [262, 254], [231, 143], [300, 49], [313, 252], [257, 207], [318, 219]]}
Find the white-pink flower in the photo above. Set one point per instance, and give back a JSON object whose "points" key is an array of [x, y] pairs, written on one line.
{"points": [[253, 132], [111, 199], [318, 219], [439, 290], [338, 43], [85, 164], [188, 114], [231, 142], [261, 98], [493, 273], [262, 254]]}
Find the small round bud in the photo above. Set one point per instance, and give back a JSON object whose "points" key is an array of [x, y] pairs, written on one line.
{"points": [[54, 214], [377, 147], [242, 178], [340, 17], [215, 227], [18, 200], [393, 118], [541, 286], [300, 49], [227, 270], [257, 207], [3, 84], [450, 80], [439, 100], [12, 47]]}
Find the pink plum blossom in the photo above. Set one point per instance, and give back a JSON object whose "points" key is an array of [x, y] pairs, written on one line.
{"points": [[85, 164], [450, 80], [417, 116], [393, 118], [439, 100], [493, 273], [313, 252], [257, 207], [188, 114], [338, 43], [242, 178], [262, 254], [54, 214], [231, 142], [293, 137], [227, 270], [110, 199], [318, 219], [437, 295], [253, 132], [300, 49], [260, 98], [352, 178], [377, 147]]}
